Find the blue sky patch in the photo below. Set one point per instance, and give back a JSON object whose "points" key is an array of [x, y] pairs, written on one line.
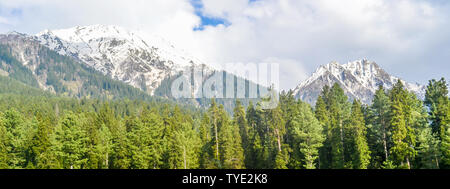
{"points": [[206, 20]]}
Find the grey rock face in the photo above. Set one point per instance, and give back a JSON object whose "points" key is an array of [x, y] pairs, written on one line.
{"points": [[359, 79], [120, 54]]}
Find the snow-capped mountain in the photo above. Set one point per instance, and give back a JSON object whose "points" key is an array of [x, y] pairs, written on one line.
{"points": [[359, 79], [120, 54], [146, 63], [24, 59]]}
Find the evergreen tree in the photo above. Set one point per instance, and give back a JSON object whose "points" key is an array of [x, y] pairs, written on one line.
{"points": [[257, 151], [206, 156], [99, 143], [240, 120], [307, 134], [436, 100], [322, 116], [215, 116], [145, 139], [72, 142], [445, 148], [282, 158], [188, 139], [183, 143], [3, 145], [119, 158], [104, 147], [445, 144], [288, 106], [379, 134], [426, 142], [230, 147], [42, 156], [339, 109], [359, 147], [402, 133], [16, 138], [428, 152], [275, 137], [92, 132], [254, 154], [225, 147]]}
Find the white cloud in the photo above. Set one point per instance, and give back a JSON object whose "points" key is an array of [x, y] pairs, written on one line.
{"points": [[291, 72], [150, 15], [3, 20], [400, 35], [407, 37], [223, 9]]}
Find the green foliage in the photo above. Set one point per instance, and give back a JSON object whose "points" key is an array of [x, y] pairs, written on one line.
{"points": [[357, 131], [42, 156], [379, 130], [66, 76], [322, 115], [436, 100], [145, 140], [428, 151], [282, 159], [228, 150], [240, 121], [71, 142], [338, 112], [46, 131], [18, 134], [14, 68], [445, 137], [345, 131], [445, 148], [403, 135], [3, 145], [253, 154], [307, 137], [182, 142], [231, 152]]}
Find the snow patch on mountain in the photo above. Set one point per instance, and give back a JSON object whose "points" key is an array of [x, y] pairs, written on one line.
{"points": [[359, 79], [121, 54]]}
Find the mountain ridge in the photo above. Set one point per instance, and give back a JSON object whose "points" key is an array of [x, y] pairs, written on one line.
{"points": [[50, 63], [359, 79], [24, 59], [147, 63], [121, 54]]}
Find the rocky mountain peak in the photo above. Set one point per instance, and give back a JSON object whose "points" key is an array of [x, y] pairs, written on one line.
{"points": [[359, 79], [121, 54]]}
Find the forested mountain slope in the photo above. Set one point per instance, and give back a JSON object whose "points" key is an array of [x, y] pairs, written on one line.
{"points": [[25, 60]]}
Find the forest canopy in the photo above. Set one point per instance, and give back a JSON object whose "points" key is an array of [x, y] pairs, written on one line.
{"points": [[39, 130]]}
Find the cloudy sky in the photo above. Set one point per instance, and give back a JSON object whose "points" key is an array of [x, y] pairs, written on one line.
{"points": [[409, 38]]}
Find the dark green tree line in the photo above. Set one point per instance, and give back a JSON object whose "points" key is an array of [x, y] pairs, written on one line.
{"points": [[397, 130]]}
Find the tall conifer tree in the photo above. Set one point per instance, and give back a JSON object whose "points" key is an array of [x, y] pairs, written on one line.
{"points": [[308, 137], [379, 131], [403, 135], [360, 149], [72, 142]]}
